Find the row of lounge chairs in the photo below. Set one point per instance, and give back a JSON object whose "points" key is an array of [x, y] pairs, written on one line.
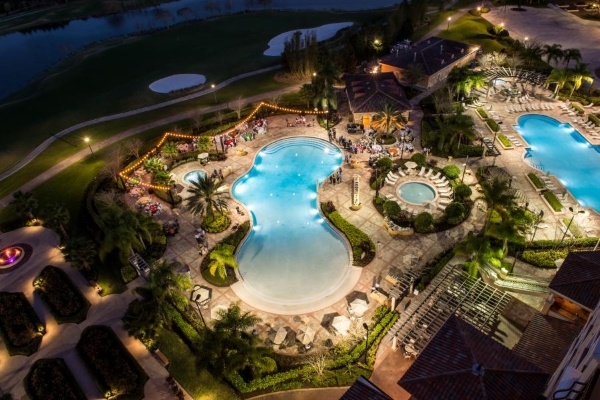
{"points": [[513, 139], [521, 108]]}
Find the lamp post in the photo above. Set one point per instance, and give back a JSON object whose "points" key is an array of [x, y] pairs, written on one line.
{"points": [[196, 297], [366, 342], [449, 19], [214, 92], [462, 179], [87, 141], [538, 219], [570, 222]]}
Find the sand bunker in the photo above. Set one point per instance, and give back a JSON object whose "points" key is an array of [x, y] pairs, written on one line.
{"points": [[177, 82], [324, 32]]}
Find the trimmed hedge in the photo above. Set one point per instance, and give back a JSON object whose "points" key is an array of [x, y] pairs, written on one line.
{"points": [[432, 268], [553, 201], [543, 258], [492, 124], [20, 326], [577, 108], [63, 298], [594, 119], [504, 140], [537, 182], [115, 370], [482, 113], [363, 248], [51, 379]]}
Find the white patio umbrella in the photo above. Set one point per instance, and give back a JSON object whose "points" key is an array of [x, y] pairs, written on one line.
{"points": [[280, 335], [306, 335], [341, 323], [215, 311], [411, 164], [359, 307]]}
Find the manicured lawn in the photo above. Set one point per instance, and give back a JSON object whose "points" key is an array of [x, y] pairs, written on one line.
{"points": [[473, 30], [117, 79], [184, 367]]}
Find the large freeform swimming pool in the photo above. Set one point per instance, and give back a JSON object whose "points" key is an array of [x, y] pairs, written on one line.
{"points": [[560, 150], [292, 256]]}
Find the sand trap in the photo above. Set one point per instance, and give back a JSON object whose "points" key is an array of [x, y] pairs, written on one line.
{"points": [[177, 82], [324, 32]]}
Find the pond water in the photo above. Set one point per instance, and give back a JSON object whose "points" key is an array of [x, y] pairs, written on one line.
{"points": [[32, 52]]}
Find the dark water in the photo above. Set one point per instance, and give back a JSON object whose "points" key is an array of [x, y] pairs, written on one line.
{"points": [[25, 55]]}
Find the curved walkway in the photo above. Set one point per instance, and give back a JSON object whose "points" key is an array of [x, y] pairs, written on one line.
{"points": [[54, 137]]}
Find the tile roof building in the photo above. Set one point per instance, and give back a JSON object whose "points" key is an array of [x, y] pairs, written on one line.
{"points": [[364, 389], [434, 57], [369, 93], [578, 279]]}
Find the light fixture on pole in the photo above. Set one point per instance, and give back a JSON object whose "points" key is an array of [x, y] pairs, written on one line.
{"points": [[87, 141], [200, 296], [449, 19], [570, 222], [366, 342], [538, 220], [462, 179], [214, 92]]}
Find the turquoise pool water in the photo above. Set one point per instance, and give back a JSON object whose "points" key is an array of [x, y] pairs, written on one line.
{"points": [[560, 149], [416, 192], [292, 256], [194, 175]]}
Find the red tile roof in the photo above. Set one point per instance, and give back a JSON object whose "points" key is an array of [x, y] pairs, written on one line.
{"points": [[578, 279], [368, 93], [364, 389], [460, 362], [546, 340]]}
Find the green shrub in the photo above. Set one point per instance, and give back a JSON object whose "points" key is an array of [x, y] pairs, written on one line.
{"points": [[493, 125], [217, 224], [65, 301], [537, 182], [462, 191], [391, 209], [433, 267], [363, 248], [454, 212], [482, 113], [543, 258], [580, 243], [20, 326], [451, 171], [50, 379], [235, 238], [504, 140], [423, 222], [128, 273], [594, 119], [467, 150], [419, 158], [553, 201], [385, 164], [578, 108]]}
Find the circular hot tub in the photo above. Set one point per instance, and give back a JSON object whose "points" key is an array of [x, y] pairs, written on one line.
{"points": [[12, 257], [194, 175], [417, 193]]}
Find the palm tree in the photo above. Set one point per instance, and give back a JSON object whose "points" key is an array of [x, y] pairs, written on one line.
{"points": [[571, 54], [234, 322], [387, 119], [477, 249], [553, 52], [327, 76], [80, 252], [205, 197], [498, 197], [222, 257], [579, 75], [56, 216], [461, 81], [307, 93], [119, 234], [559, 77], [507, 230], [24, 203], [169, 149]]}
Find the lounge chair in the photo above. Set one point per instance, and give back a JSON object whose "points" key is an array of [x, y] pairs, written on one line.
{"points": [[391, 175], [445, 190], [441, 207], [400, 172], [428, 174], [445, 185], [440, 181], [421, 172], [389, 182], [445, 202], [390, 197], [436, 176]]}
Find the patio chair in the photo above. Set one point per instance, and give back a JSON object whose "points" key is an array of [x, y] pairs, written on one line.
{"points": [[389, 182], [391, 175], [445, 202], [421, 172], [428, 174], [436, 176], [400, 172]]}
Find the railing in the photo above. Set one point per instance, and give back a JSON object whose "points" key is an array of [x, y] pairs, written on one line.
{"points": [[571, 390]]}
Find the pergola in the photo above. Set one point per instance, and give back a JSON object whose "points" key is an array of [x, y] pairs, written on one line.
{"points": [[517, 75]]}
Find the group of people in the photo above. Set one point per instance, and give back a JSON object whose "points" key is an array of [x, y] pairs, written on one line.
{"points": [[217, 174], [336, 177]]}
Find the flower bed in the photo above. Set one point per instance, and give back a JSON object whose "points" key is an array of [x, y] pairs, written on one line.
{"points": [[116, 372], [65, 301], [50, 379], [553, 201], [20, 327]]}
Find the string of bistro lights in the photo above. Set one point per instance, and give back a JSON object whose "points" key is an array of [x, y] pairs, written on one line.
{"points": [[124, 174]]}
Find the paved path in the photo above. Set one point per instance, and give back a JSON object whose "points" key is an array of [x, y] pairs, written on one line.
{"points": [[54, 137]]}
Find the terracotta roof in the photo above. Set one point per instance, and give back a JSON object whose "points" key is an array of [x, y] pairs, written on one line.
{"points": [[578, 279], [460, 362], [364, 389], [546, 340], [433, 54], [368, 93]]}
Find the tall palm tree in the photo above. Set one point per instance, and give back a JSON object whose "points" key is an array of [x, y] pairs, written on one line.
{"points": [[462, 81], [80, 252], [553, 52], [498, 197], [25, 203], [571, 54], [559, 77], [327, 76], [56, 216], [119, 235], [580, 74], [477, 249], [507, 230], [234, 321], [222, 257], [205, 197], [387, 119]]}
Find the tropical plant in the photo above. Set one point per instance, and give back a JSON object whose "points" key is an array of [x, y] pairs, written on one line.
{"points": [[234, 322], [553, 52], [221, 258], [162, 178], [387, 119], [327, 76], [462, 80], [124, 231], [559, 77], [506, 230], [25, 203], [579, 75], [477, 249], [169, 149], [80, 252], [56, 216], [498, 197], [205, 197], [391, 209], [571, 54], [153, 165]]}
